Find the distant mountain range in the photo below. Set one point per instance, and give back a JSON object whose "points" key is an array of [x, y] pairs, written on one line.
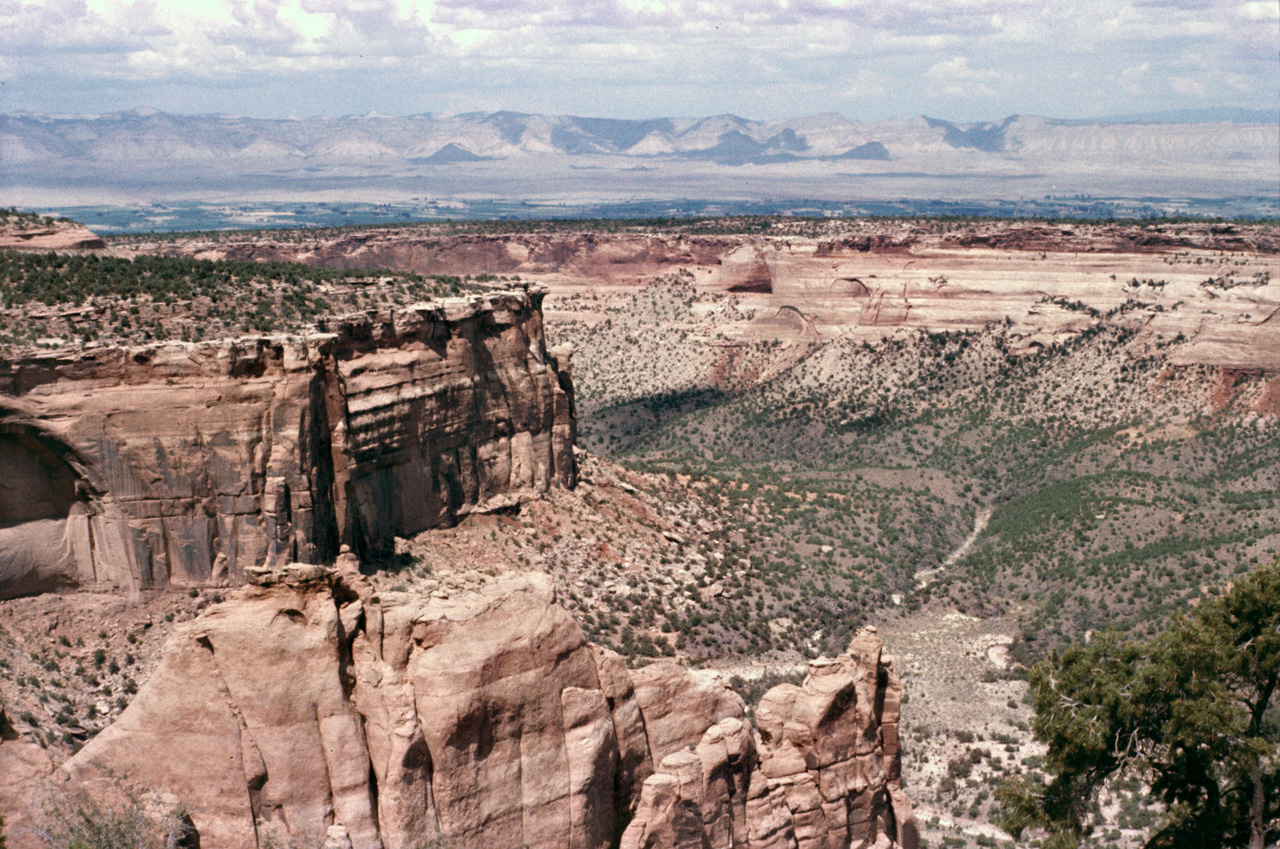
{"points": [[146, 154], [146, 135], [1208, 115]]}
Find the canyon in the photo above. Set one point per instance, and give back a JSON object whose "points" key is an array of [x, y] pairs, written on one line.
{"points": [[310, 705], [863, 280], [729, 444]]}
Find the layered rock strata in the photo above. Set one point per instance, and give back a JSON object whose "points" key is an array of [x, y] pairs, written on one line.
{"points": [[180, 464], [309, 705], [1206, 285], [48, 234]]}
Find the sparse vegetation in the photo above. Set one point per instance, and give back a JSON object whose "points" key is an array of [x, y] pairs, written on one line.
{"points": [[858, 469], [21, 219], [57, 300], [133, 823], [773, 496]]}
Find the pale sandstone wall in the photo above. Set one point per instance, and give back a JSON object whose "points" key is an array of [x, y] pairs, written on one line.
{"points": [[50, 236], [309, 705], [185, 464]]}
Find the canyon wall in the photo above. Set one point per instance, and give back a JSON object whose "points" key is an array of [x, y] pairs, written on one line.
{"points": [[580, 255], [309, 706], [1207, 285], [184, 464], [609, 255], [47, 234]]}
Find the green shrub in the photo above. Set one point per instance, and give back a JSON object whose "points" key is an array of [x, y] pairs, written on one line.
{"points": [[132, 824]]}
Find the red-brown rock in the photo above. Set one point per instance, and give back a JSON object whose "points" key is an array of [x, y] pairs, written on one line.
{"points": [[824, 771], [309, 707], [184, 464]]}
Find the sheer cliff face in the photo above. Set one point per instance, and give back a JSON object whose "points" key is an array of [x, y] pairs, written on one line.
{"points": [[309, 705], [184, 464]]}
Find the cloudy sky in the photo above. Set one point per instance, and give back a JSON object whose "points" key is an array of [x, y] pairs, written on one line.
{"points": [[868, 59]]}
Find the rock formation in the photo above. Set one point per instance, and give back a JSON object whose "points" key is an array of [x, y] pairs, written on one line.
{"points": [[1205, 284], [44, 233], [180, 464], [822, 772], [579, 255], [26, 768], [309, 705]]}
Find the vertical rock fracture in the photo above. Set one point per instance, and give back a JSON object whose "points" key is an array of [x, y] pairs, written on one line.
{"points": [[308, 704]]}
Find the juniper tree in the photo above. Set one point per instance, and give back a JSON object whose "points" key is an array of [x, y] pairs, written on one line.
{"points": [[1192, 713]]}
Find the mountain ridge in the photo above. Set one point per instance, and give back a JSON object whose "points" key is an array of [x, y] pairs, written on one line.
{"points": [[139, 134], [56, 161]]}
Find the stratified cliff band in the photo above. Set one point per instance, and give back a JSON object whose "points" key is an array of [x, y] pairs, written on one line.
{"points": [[184, 464]]}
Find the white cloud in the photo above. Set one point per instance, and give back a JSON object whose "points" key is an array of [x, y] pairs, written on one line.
{"points": [[214, 39], [1188, 86], [1133, 78], [1260, 10], [310, 25], [957, 79], [864, 83], [865, 57]]}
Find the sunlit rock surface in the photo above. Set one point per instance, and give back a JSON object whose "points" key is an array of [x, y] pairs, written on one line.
{"points": [[184, 464]]}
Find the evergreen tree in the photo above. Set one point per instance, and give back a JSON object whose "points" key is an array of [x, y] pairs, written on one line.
{"points": [[1192, 713]]}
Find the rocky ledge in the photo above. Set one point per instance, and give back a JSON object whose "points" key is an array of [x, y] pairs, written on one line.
{"points": [[45, 233], [309, 707], [185, 464]]}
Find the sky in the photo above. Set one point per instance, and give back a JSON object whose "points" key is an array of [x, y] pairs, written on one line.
{"points": [[963, 60]]}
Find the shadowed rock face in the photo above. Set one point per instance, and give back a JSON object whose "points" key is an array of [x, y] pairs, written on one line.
{"points": [[307, 704], [185, 464]]}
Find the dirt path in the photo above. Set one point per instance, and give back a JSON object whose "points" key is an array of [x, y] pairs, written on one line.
{"points": [[979, 525], [925, 576]]}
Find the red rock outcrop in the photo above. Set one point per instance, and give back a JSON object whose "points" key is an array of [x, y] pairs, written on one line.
{"points": [[577, 254], [310, 705], [182, 464], [48, 234], [823, 772], [26, 768], [1203, 284]]}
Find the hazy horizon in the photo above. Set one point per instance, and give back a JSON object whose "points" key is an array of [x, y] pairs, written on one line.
{"points": [[1203, 114]]}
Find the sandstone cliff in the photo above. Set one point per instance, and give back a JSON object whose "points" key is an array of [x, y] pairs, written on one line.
{"points": [[747, 258], [1207, 285], [31, 232], [182, 464], [310, 705]]}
